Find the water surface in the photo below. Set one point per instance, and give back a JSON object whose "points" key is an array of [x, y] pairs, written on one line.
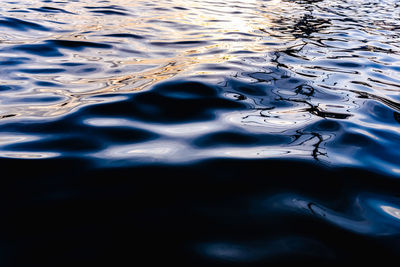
{"points": [[202, 132]]}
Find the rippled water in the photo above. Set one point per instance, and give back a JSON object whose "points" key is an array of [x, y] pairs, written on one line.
{"points": [[200, 132]]}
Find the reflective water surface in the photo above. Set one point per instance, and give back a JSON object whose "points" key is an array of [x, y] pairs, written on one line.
{"points": [[236, 132]]}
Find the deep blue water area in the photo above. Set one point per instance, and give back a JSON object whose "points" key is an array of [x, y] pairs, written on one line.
{"points": [[199, 133]]}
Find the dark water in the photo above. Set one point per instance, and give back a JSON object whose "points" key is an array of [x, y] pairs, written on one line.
{"points": [[203, 133]]}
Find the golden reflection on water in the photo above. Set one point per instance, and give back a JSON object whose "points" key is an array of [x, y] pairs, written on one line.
{"points": [[220, 27]]}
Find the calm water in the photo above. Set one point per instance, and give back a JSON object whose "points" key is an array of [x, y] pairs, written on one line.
{"points": [[235, 132]]}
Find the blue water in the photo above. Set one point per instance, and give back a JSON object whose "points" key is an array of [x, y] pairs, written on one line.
{"points": [[203, 133]]}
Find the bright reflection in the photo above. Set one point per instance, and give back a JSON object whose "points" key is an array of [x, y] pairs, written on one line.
{"points": [[395, 212], [172, 130], [170, 41], [12, 138], [28, 155], [178, 152], [151, 151]]}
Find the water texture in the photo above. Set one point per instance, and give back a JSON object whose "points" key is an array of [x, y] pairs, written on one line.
{"points": [[199, 132]]}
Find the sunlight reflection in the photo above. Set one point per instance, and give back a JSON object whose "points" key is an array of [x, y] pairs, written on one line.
{"points": [[232, 32], [28, 155], [395, 212]]}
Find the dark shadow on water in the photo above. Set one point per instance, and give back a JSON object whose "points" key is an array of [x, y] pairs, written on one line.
{"points": [[191, 215]]}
